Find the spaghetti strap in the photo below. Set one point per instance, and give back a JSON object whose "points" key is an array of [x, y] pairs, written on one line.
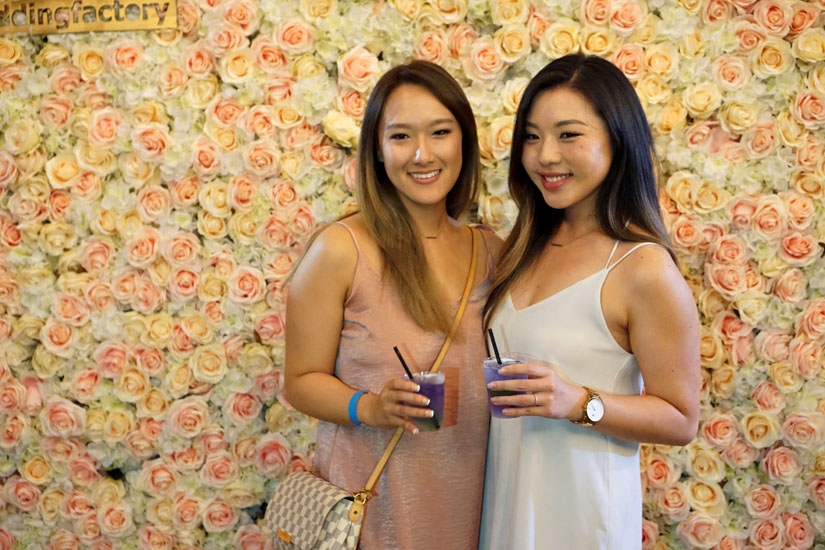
{"points": [[351, 234], [612, 252], [628, 253]]}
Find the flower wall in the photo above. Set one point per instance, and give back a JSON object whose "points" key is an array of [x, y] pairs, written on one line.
{"points": [[157, 187]]}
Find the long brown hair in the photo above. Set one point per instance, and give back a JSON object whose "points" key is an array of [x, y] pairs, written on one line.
{"points": [[625, 200], [385, 216]]}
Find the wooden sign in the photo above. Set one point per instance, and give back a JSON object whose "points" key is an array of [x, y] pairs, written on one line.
{"points": [[62, 16]]}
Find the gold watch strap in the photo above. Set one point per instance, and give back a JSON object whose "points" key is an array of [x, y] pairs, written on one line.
{"points": [[585, 421]]}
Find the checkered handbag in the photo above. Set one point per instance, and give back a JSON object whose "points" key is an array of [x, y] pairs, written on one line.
{"points": [[309, 513]]}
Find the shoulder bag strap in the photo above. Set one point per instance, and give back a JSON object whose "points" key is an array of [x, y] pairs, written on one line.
{"points": [[364, 495]]}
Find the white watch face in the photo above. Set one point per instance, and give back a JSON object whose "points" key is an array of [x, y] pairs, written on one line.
{"points": [[595, 410]]}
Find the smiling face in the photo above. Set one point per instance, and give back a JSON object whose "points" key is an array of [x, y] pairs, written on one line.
{"points": [[420, 145], [566, 149]]}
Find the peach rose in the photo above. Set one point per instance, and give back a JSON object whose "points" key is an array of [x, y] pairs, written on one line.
{"points": [[157, 479], [71, 310], [270, 326], [431, 46], [142, 248], [58, 337], [801, 209], [595, 12], [806, 358], [236, 67], [808, 108], [294, 36], [151, 141], [151, 537], [186, 511], [187, 417], [223, 38], [124, 56], [111, 358], [791, 286], [172, 80], [115, 519], [83, 471], [55, 111], [250, 537], [799, 248], [268, 56], [460, 36], [11, 430], [740, 454], [782, 465], [672, 502], [105, 126], [278, 88], [65, 79], [273, 454], [218, 516], [8, 169], [184, 192], [767, 533], [84, 385], [219, 469], [62, 418], [630, 59], [773, 16], [798, 530], [804, 15], [241, 408], [720, 430], [206, 158], [804, 430], [198, 61], [661, 471], [700, 530], [749, 33], [763, 502], [816, 490]]}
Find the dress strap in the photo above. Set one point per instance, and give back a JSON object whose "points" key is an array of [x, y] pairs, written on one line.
{"points": [[351, 234], [615, 246], [628, 253]]}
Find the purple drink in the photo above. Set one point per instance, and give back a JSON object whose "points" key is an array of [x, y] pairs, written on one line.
{"points": [[491, 374], [431, 385]]}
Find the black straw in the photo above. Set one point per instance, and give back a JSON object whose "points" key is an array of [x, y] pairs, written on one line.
{"points": [[495, 347], [403, 363]]}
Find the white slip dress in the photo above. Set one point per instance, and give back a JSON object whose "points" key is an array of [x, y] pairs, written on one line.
{"points": [[551, 484]]}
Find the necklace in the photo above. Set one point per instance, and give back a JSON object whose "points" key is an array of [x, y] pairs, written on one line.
{"points": [[440, 230], [574, 240]]}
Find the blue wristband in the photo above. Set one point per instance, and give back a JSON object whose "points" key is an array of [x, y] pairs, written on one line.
{"points": [[353, 407]]}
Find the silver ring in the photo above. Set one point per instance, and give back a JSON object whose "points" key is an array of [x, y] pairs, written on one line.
{"points": [[536, 397]]}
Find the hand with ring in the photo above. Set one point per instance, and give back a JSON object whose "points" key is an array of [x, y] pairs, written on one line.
{"points": [[543, 393]]}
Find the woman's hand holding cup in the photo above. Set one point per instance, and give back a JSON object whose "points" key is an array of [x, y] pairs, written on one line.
{"points": [[543, 393], [396, 404]]}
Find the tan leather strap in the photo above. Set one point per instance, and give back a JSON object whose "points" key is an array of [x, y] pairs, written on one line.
{"points": [[465, 297]]}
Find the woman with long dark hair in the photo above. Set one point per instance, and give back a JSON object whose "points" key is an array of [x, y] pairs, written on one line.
{"points": [[588, 284], [392, 275]]}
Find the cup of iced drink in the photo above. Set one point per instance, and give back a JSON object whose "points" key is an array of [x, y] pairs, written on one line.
{"points": [[431, 385], [491, 374]]}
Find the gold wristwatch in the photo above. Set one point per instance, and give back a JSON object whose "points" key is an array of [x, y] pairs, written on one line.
{"points": [[592, 409]]}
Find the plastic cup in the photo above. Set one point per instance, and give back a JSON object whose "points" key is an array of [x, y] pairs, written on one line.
{"points": [[431, 385], [491, 374]]}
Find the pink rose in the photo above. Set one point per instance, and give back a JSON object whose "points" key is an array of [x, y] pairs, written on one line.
{"points": [[222, 38], [224, 111], [83, 471], [111, 357], [186, 511], [124, 56], [629, 58], [810, 152], [763, 502], [431, 46], [206, 158], [151, 361], [483, 62], [720, 430], [151, 141], [741, 210], [62, 418], [183, 284], [11, 430], [219, 469], [595, 12], [806, 357], [268, 56], [770, 220], [782, 465], [294, 36], [799, 248], [98, 296], [673, 503], [64, 540], [661, 471], [811, 322], [260, 120], [773, 344], [218, 516], [12, 394], [749, 33], [187, 461], [243, 14], [188, 417], [21, 493], [142, 248], [728, 280], [808, 108], [268, 384], [6, 540], [58, 337], [198, 61], [115, 519], [55, 111], [150, 537], [180, 248], [65, 79], [700, 530], [791, 286], [250, 537], [246, 285], [157, 478], [270, 326], [799, 532], [278, 88], [816, 490], [172, 80], [760, 141], [768, 398], [767, 534], [273, 454], [241, 408], [803, 17], [153, 203], [804, 430], [300, 136], [773, 16], [740, 454], [357, 68], [626, 16], [105, 126], [262, 159], [686, 232], [76, 505], [730, 72]]}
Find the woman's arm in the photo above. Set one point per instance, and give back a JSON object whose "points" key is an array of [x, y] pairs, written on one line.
{"points": [[663, 333], [314, 318]]}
